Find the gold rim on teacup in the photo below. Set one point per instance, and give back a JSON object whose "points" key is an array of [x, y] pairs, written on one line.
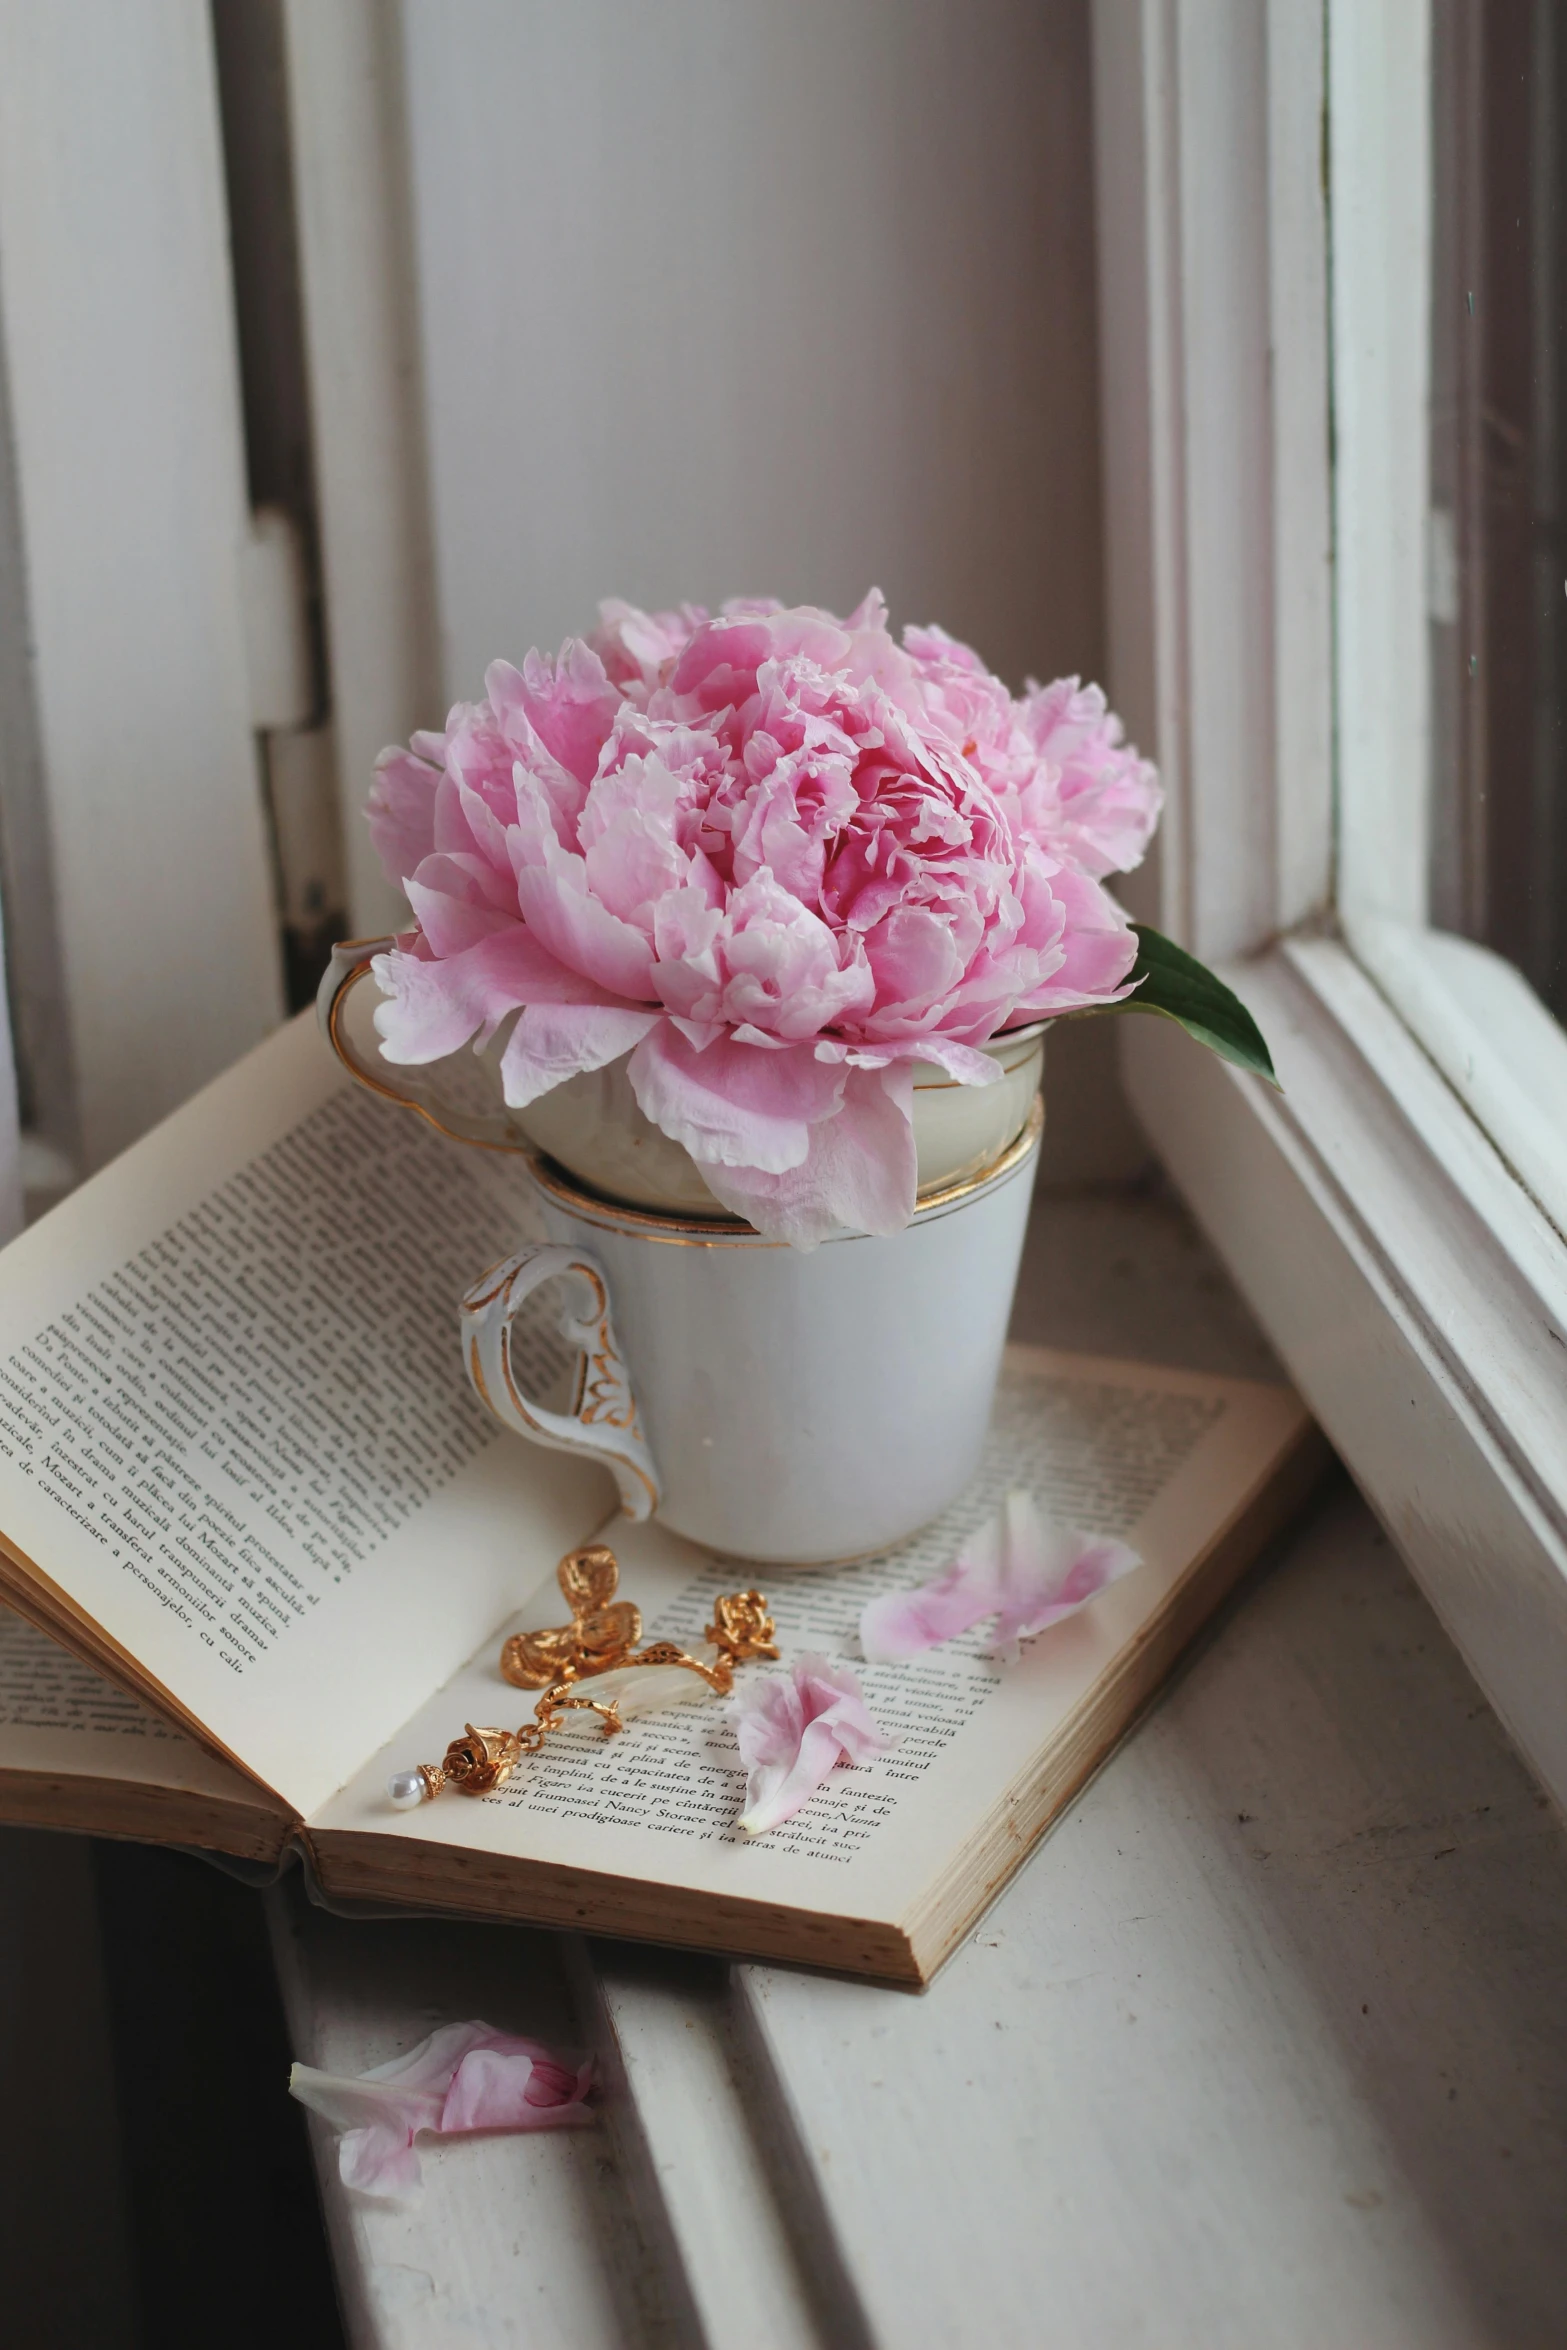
{"points": [[685, 1231], [963, 1161]]}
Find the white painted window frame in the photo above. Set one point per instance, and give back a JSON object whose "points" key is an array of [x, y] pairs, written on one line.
{"points": [[1262, 503], [142, 931]]}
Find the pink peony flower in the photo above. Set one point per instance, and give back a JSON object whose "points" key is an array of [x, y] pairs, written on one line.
{"points": [[778, 860], [463, 2077], [1017, 1567], [793, 1729]]}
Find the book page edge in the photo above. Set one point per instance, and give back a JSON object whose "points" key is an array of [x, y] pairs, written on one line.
{"points": [[352, 1865], [134, 1812], [50, 1609], [1113, 1708]]}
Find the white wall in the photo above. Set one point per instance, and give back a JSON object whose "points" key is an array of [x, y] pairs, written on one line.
{"points": [[135, 802], [758, 295]]}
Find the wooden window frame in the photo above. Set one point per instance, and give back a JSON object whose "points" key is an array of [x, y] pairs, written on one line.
{"points": [[1265, 520]]}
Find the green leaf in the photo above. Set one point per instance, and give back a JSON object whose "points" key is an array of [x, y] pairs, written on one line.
{"points": [[1173, 983]]}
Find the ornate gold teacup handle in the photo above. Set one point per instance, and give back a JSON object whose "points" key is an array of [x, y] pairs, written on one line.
{"points": [[604, 1423]]}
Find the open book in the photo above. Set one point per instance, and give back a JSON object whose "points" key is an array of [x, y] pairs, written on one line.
{"points": [[267, 1545]]}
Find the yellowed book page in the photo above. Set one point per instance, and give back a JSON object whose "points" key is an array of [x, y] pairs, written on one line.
{"points": [[1165, 1459], [235, 1432], [57, 1714]]}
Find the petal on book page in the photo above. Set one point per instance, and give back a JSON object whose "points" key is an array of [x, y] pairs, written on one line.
{"points": [[463, 2077], [793, 1729], [1017, 1567], [904, 1623]]}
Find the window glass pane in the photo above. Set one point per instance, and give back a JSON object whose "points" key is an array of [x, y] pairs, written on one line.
{"points": [[1497, 548]]}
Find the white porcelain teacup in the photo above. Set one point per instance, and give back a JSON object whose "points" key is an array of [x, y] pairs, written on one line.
{"points": [[775, 1405], [592, 1126]]}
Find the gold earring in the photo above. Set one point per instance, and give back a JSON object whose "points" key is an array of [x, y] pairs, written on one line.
{"points": [[600, 1638], [601, 1635]]}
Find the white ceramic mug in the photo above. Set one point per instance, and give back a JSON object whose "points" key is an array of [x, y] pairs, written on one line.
{"points": [[593, 1126], [774, 1405]]}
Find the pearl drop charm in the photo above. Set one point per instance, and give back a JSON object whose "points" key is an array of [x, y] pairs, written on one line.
{"points": [[407, 1789]]}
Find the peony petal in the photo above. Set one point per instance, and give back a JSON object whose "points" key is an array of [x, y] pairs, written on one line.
{"points": [[763, 963], [793, 1730], [516, 2085], [379, 2122], [962, 1062], [734, 1105], [556, 903], [1018, 1567], [1049, 1572], [902, 1624], [776, 1791], [487, 834], [639, 646], [859, 1173], [401, 810], [463, 2077], [449, 916], [570, 703], [916, 959], [429, 2065], [1107, 798], [933, 645], [364, 2102], [1099, 948], [433, 1008], [554, 1041]]}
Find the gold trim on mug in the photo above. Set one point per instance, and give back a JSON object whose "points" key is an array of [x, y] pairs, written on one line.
{"points": [[685, 1231], [733, 1232]]}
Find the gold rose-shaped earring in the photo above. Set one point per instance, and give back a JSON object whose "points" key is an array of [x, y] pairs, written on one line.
{"points": [[601, 1635], [601, 1638]]}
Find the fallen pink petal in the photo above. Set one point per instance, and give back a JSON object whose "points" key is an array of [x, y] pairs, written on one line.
{"points": [[793, 1730], [464, 2077], [1018, 1567]]}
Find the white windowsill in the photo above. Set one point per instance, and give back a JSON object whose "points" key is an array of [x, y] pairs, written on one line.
{"points": [[1491, 1037], [1416, 1292]]}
